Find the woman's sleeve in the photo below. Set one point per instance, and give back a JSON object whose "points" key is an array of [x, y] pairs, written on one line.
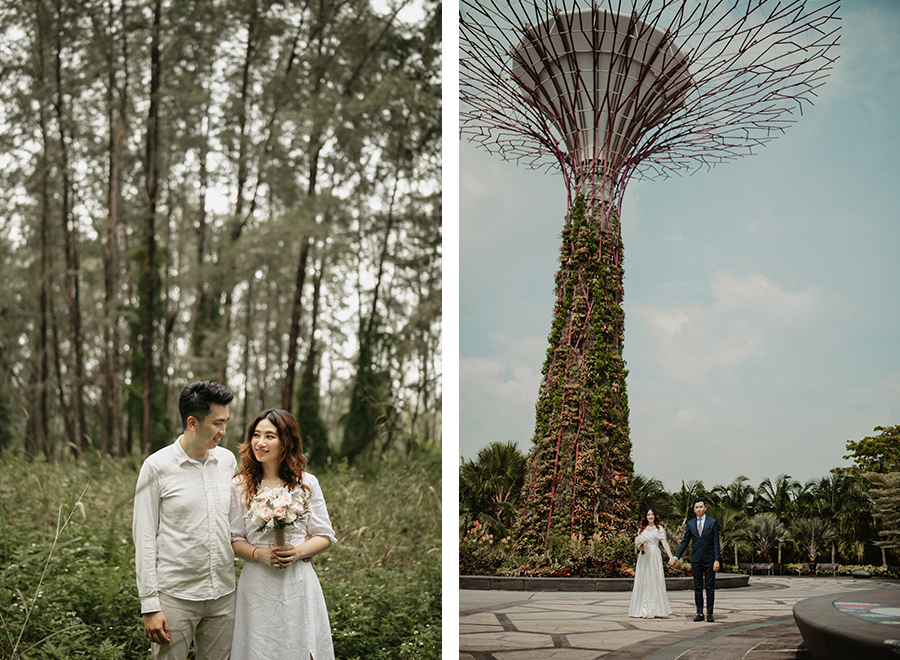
{"points": [[319, 523], [236, 514]]}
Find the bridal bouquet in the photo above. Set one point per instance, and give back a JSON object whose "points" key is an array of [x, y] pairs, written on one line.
{"points": [[278, 508], [640, 540]]}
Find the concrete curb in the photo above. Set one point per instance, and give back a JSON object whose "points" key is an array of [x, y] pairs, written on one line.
{"points": [[493, 582], [833, 635]]}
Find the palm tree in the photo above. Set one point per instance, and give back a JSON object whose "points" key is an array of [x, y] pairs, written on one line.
{"points": [[490, 485], [777, 497], [732, 529], [765, 532], [808, 534], [683, 500], [651, 493], [836, 498], [736, 495]]}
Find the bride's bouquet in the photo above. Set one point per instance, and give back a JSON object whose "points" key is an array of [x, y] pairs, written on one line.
{"points": [[277, 509], [640, 540]]}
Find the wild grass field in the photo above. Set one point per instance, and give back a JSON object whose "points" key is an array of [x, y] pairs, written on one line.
{"points": [[67, 577]]}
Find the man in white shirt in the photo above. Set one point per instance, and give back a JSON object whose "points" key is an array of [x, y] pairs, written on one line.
{"points": [[182, 540]]}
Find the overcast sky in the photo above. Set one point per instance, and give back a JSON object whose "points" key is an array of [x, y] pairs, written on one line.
{"points": [[762, 297]]}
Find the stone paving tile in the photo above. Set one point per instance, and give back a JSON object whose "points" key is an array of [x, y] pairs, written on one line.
{"points": [[552, 654], [507, 641], [752, 623]]}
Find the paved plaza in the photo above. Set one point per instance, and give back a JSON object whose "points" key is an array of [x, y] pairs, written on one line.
{"points": [[752, 623]]}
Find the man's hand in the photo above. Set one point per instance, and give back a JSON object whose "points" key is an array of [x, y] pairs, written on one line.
{"points": [[672, 561], [715, 567], [156, 626]]}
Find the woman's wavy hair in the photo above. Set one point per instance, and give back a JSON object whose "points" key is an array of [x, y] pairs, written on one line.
{"points": [[644, 522], [290, 471]]}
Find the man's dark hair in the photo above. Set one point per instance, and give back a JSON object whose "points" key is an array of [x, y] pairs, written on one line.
{"points": [[197, 397], [699, 499]]}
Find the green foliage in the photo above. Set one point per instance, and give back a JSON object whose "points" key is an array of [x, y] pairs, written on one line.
{"points": [[878, 453], [315, 433], [809, 535], [137, 314], [842, 569], [68, 590], [732, 525], [480, 553], [765, 532], [886, 493], [581, 468], [371, 413], [651, 493], [490, 487]]}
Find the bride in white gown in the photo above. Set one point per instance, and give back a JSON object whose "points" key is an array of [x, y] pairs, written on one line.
{"points": [[648, 595], [280, 611]]}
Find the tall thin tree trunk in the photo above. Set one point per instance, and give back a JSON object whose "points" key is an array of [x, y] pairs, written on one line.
{"points": [[72, 275], [201, 295], [111, 439], [287, 391], [309, 368], [44, 292], [152, 187], [57, 365], [245, 361], [267, 347]]}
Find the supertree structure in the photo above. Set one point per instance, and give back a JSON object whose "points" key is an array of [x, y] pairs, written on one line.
{"points": [[605, 93]]}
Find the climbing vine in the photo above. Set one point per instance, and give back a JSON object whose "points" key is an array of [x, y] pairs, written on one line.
{"points": [[579, 476]]}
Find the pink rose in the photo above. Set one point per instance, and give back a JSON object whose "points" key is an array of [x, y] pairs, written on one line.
{"points": [[265, 512], [279, 512]]}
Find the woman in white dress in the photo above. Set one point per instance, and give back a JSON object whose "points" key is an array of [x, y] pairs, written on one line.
{"points": [[648, 595], [280, 610]]}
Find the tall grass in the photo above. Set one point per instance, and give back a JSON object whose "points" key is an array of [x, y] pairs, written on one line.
{"points": [[67, 577]]}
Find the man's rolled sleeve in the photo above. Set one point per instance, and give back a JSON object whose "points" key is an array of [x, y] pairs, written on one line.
{"points": [[144, 529]]}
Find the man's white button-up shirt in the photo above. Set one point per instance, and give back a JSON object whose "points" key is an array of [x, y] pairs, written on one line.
{"points": [[181, 529]]}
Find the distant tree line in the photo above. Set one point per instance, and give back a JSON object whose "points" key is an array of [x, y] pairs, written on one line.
{"points": [[240, 190], [851, 515]]}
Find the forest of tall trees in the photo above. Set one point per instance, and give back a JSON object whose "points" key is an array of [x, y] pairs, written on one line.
{"points": [[241, 190]]}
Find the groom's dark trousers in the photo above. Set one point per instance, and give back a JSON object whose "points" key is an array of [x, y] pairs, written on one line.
{"points": [[704, 551]]}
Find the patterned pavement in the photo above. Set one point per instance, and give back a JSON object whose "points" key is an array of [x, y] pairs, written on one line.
{"points": [[752, 623]]}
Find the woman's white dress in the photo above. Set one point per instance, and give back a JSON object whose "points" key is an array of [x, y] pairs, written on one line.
{"points": [[648, 595], [280, 613]]}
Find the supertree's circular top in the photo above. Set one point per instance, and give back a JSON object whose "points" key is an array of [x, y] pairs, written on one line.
{"points": [[607, 93]]}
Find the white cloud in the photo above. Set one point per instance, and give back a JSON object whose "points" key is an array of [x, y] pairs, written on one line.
{"points": [[498, 392], [749, 316]]}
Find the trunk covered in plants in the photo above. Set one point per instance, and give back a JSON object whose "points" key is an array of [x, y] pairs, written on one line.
{"points": [[580, 468]]}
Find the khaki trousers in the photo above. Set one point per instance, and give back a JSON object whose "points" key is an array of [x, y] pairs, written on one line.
{"points": [[209, 623]]}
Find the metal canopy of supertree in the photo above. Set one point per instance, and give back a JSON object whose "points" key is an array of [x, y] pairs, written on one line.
{"points": [[604, 93]]}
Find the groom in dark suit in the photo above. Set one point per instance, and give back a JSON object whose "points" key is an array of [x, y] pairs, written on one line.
{"points": [[703, 535]]}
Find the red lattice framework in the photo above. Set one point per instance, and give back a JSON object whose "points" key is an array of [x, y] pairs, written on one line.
{"points": [[638, 90]]}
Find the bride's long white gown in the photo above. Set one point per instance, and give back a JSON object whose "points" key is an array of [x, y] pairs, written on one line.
{"points": [[648, 595], [280, 614]]}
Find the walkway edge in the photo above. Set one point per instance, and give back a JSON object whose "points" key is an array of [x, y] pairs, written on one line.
{"points": [[564, 584]]}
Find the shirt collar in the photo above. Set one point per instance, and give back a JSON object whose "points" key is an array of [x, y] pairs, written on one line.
{"points": [[182, 457]]}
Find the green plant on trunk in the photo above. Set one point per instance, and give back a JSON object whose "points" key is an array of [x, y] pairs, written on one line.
{"points": [[580, 468]]}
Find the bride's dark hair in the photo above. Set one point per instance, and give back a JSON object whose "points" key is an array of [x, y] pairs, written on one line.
{"points": [[290, 471], [645, 522]]}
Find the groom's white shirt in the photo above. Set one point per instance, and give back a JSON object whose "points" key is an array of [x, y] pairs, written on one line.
{"points": [[181, 529], [701, 524]]}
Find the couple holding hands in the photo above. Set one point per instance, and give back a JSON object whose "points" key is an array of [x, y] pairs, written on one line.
{"points": [[191, 519], [648, 596]]}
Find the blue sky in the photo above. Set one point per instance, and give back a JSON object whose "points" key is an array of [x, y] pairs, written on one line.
{"points": [[762, 297]]}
